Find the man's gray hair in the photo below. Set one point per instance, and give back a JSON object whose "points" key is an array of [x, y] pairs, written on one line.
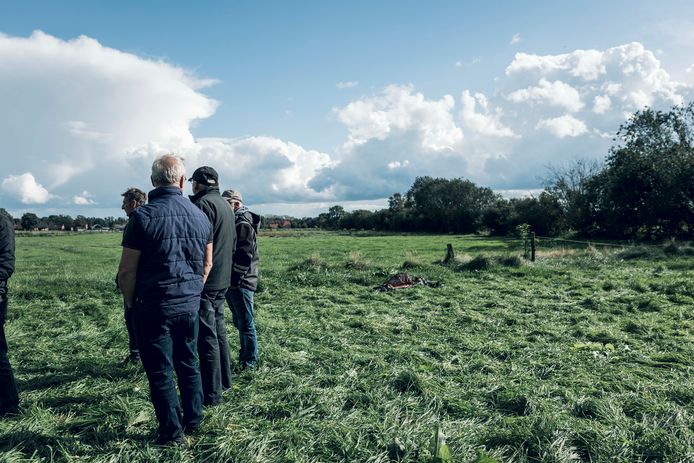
{"points": [[167, 170]]}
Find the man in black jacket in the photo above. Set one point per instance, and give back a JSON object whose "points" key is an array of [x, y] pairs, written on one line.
{"points": [[244, 278], [9, 397], [213, 346], [132, 199]]}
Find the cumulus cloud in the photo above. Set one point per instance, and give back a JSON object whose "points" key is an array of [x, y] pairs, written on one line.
{"points": [[348, 84], [601, 104], [83, 199], [485, 122], [545, 108], [563, 126], [25, 188], [89, 120], [555, 93], [398, 110]]}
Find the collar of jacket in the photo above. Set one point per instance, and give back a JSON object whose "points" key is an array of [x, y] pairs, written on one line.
{"points": [[207, 190], [164, 191]]}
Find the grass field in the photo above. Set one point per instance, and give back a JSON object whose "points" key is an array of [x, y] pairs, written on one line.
{"points": [[583, 355]]}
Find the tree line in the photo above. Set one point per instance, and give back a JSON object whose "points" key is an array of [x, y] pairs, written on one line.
{"points": [[31, 221], [643, 190]]}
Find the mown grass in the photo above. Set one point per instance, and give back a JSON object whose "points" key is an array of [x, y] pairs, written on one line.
{"points": [[584, 355]]}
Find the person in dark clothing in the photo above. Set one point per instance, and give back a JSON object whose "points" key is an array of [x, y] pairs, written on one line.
{"points": [[9, 397], [167, 256], [213, 345], [132, 199], [244, 278]]}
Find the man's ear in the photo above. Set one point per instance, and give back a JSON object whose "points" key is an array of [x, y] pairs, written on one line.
{"points": [[181, 182], [151, 179]]}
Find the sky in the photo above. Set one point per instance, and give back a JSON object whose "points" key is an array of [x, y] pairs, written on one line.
{"points": [[305, 104]]}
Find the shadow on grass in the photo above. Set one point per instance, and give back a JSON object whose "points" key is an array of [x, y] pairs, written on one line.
{"points": [[57, 447], [73, 372]]}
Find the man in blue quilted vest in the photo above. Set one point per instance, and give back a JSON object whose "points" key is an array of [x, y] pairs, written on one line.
{"points": [[167, 255]]}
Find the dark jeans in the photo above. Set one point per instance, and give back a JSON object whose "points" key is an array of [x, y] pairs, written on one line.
{"points": [[132, 339], [213, 347], [168, 344], [9, 397], [241, 304]]}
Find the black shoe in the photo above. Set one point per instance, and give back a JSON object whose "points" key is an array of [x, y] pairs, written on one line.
{"points": [[178, 442], [131, 359]]}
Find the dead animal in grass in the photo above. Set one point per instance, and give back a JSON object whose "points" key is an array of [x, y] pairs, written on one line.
{"points": [[404, 280]]}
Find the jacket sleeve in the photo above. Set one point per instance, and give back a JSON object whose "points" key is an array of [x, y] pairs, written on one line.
{"points": [[243, 253], [6, 248]]}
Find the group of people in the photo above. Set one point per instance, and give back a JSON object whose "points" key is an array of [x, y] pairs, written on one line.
{"points": [[181, 260]]}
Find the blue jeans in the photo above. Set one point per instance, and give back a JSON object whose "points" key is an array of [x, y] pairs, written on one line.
{"points": [[241, 304], [213, 347], [167, 344], [9, 397]]}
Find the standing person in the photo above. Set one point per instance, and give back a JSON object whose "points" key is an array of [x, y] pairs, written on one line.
{"points": [[213, 346], [244, 278], [9, 397], [132, 199], [167, 255]]}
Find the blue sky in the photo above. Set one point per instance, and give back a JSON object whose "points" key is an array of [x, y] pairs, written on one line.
{"points": [[308, 104]]}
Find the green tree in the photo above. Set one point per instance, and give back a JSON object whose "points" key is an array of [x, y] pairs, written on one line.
{"points": [[647, 187], [29, 221]]}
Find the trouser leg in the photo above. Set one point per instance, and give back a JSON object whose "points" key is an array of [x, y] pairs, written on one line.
{"points": [[156, 351], [130, 326], [9, 397], [222, 339], [185, 336], [208, 351], [241, 300]]}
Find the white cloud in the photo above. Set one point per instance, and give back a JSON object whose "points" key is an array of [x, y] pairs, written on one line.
{"points": [[80, 107], [563, 126], [398, 164], [349, 84], [515, 39], [83, 199], [399, 110], [88, 118], [266, 169], [482, 122], [601, 104], [25, 188], [555, 93]]}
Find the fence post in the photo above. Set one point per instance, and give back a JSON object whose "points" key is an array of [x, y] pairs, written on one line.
{"points": [[532, 247], [450, 255]]}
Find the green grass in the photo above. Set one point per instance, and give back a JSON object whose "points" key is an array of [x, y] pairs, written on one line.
{"points": [[580, 356]]}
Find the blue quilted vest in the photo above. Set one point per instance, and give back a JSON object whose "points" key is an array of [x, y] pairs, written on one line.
{"points": [[173, 234]]}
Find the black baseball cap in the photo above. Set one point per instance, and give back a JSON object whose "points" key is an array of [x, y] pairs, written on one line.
{"points": [[205, 175]]}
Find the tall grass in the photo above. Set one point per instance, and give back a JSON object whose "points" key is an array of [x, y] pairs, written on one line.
{"points": [[576, 357]]}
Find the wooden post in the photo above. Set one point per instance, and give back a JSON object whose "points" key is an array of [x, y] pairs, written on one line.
{"points": [[450, 255], [532, 247]]}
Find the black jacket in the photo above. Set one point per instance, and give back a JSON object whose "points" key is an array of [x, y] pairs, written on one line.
{"points": [[246, 258], [6, 247], [224, 236]]}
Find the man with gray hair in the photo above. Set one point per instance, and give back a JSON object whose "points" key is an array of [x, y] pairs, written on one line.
{"points": [[167, 255], [244, 278]]}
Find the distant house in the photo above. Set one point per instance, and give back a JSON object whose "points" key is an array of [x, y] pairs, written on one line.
{"points": [[98, 227]]}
